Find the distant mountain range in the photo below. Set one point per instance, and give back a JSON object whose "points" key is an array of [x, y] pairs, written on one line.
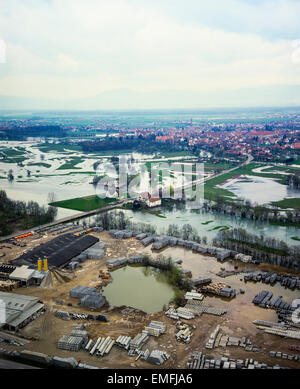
{"points": [[280, 95]]}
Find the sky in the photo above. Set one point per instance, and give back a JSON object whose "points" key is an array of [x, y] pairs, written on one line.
{"points": [[110, 54]]}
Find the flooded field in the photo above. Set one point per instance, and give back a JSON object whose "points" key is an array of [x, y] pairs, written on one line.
{"points": [[241, 307], [259, 190]]}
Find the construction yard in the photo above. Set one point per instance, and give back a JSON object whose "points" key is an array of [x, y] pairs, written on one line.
{"points": [[46, 330]]}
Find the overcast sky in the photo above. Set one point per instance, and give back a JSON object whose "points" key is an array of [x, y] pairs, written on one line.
{"points": [[76, 49]]}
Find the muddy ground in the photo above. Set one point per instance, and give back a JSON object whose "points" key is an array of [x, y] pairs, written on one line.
{"points": [[47, 329]]}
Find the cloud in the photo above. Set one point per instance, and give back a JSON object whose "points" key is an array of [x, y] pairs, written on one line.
{"points": [[78, 49]]}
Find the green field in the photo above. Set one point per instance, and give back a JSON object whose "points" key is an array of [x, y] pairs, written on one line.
{"points": [[41, 164], [211, 191], [84, 204], [288, 203], [71, 164], [59, 148]]}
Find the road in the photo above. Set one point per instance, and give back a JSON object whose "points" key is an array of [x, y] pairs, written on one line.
{"points": [[67, 219], [203, 180]]}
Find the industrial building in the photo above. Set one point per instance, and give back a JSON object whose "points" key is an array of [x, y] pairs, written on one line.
{"points": [[18, 310], [58, 251]]}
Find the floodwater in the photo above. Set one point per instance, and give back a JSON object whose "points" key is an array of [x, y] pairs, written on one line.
{"points": [[197, 219], [204, 265], [71, 183], [149, 289], [259, 190]]}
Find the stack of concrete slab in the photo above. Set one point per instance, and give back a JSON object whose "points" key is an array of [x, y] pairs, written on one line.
{"points": [[141, 236], [89, 297], [82, 291], [185, 313], [223, 254], [172, 314], [93, 301], [63, 315], [160, 244], [243, 257], [115, 262], [184, 335], [156, 328], [139, 340], [204, 280], [71, 343], [158, 357], [138, 258], [97, 251], [149, 239], [193, 296], [211, 341]]}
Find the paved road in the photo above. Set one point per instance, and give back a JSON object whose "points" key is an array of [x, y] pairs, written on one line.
{"points": [[203, 180]]}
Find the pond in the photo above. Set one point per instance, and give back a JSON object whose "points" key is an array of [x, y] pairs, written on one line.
{"points": [[149, 288]]}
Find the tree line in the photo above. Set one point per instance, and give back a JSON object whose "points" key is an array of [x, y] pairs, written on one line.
{"points": [[261, 248], [15, 214]]}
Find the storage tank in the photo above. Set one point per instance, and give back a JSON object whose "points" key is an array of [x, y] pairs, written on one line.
{"points": [[40, 265]]}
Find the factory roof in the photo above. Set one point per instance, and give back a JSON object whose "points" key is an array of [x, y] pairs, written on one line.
{"points": [[25, 315], [22, 273]]}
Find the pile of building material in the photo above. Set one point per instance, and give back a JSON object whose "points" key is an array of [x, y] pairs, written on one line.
{"points": [[262, 298], [193, 295], [184, 334], [219, 289], [222, 254], [73, 342], [198, 308], [97, 251], [201, 281], [89, 297], [268, 324], [160, 244], [291, 282], [122, 234], [293, 334], [148, 240], [116, 262], [8, 285], [197, 360], [137, 258], [141, 236], [100, 347], [211, 341], [156, 328], [185, 313], [290, 357], [139, 341], [63, 315], [243, 258], [158, 357], [172, 314], [123, 342]]}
